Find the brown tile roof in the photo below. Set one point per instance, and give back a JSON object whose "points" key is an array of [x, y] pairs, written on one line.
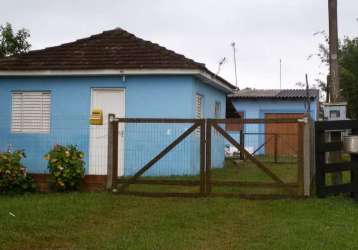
{"points": [[273, 94], [115, 49]]}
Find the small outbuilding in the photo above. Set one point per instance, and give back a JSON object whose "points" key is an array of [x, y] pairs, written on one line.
{"points": [[271, 104]]}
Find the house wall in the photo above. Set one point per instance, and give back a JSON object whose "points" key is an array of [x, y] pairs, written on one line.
{"points": [[256, 109], [145, 96], [211, 96]]}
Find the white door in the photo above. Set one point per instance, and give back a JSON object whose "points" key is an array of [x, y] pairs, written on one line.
{"points": [[110, 101]]}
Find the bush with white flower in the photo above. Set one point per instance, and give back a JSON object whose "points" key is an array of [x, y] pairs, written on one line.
{"points": [[13, 177], [66, 167]]}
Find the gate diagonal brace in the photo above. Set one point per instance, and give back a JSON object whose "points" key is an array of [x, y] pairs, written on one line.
{"points": [[250, 157], [147, 166]]}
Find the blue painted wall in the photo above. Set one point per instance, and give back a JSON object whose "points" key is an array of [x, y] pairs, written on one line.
{"points": [[211, 96], [256, 109], [145, 96]]}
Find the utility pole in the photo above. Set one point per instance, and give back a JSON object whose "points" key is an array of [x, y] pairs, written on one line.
{"points": [[234, 48], [334, 86], [333, 52]]}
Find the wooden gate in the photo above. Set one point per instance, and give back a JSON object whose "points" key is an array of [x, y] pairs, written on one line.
{"points": [[255, 188], [347, 165], [211, 135]]}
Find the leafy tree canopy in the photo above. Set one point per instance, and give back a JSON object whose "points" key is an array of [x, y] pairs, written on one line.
{"points": [[348, 61], [348, 65], [12, 43]]}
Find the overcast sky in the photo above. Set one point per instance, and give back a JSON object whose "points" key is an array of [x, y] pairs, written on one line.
{"points": [[264, 30]]}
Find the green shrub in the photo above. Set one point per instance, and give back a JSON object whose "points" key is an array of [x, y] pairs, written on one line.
{"points": [[66, 167], [13, 177]]}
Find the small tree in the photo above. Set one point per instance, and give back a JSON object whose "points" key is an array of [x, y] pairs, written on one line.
{"points": [[13, 43]]}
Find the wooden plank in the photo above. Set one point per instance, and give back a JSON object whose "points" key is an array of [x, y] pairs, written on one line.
{"points": [[354, 174], [330, 146], [199, 195], [342, 188], [208, 157], [254, 121], [155, 120], [109, 179], [300, 167], [248, 155], [159, 156], [162, 182], [338, 167], [115, 152], [160, 194], [242, 143], [336, 125], [320, 162], [308, 154], [254, 196], [275, 148], [202, 157], [252, 184]]}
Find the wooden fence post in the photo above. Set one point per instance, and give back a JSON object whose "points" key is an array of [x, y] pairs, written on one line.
{"points": [[275, 147], [208, 157], [320, 161], [308, 154], [354, 172], [300, 157], [242, 143], [202, 157], [109, 181], [115, 153]]}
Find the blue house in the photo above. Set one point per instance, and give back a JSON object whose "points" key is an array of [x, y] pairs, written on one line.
{"points": [[47, 96], [271, 103]]}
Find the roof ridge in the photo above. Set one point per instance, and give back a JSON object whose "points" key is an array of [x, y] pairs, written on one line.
{"points": [[160, 47], [111, 49], [99, 35]]}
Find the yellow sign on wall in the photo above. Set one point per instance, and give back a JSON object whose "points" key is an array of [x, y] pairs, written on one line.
{"points": [[96, 117]]}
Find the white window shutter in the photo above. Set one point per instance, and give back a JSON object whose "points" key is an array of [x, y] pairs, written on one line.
{"points": [[31, 112], [198, 107], [198, 111]]}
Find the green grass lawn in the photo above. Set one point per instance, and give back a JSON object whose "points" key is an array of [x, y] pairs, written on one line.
{"points": [[107, 221]]}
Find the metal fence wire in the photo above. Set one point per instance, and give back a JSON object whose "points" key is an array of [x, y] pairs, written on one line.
{"points": [[173, 155], [262, 160]]}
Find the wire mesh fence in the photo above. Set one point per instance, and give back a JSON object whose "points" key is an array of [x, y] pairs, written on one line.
{"points": [[273, 146], [178, 170], [36, 144], [271, 164]]}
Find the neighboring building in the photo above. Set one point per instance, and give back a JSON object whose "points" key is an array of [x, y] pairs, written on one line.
{"points": [[335, 111], [46, 98], [273, 103]]}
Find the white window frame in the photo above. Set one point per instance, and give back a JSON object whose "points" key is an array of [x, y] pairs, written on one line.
{"points": [[19, 110], [217, 109]]}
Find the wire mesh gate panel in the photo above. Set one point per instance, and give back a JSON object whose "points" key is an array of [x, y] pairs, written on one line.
{"points": [[199, 157], [161, 157], [258, 172]]}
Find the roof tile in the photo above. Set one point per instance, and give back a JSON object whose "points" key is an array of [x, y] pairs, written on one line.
{"points": [[273, 94]]}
